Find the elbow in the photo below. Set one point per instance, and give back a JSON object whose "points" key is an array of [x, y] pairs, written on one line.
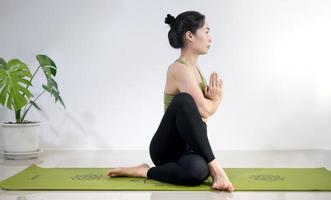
{"points": [[205, 113]]}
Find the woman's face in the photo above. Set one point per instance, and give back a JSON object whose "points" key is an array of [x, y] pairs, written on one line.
{"points": [[200, 41]]}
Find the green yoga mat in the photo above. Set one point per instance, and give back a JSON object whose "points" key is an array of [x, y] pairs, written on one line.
{"points": [[244, 179]]}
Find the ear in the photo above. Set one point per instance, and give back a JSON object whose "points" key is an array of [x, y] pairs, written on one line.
{"points": [[189, 36]]}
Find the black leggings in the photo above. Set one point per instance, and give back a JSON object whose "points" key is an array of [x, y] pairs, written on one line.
{"points": [[180, 148]]}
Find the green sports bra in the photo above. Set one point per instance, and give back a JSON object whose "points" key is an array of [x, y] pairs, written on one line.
{"points": [[168, 97]]}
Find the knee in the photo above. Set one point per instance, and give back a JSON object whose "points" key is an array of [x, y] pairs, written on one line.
{"points": [[183, 99], [184, 96], [196, 174]]}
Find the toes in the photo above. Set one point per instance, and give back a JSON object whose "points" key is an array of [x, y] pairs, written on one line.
{"points": [[219, 187], [230, 188], [215, 186], [223, 186], [112, 171]]}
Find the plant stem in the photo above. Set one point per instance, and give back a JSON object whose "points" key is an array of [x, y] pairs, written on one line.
{"points": [[25, 112], [18, 116], [33, 76], [21, 119]]}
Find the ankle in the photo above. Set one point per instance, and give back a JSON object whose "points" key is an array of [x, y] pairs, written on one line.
{"points": [[214, 164], [143, 172], [215, 167]]}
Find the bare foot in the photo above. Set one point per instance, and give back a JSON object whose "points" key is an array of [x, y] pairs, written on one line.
{"points": [[136, 171], [220, 179]]}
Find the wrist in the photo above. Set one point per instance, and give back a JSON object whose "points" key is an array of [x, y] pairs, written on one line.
{"points": [[217, 100]]}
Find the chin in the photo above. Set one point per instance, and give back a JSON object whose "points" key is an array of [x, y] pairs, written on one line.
{"points": [[204, 52]]}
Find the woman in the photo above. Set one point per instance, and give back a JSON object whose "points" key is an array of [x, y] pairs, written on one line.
{"points": [[180, 148]]}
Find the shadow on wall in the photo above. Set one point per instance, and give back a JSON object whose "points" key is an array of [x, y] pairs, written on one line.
{"points": [[63, 130]]}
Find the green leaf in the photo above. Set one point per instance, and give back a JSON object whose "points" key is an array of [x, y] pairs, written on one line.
{"points": [[47, 65], [26, 82], [53, 82], [16, 67], [61, 101], [13, 81], [35, 105], [9, 102], [17, 102], [3, 63], [3, 95], [49, 69], [54, 92], [47, 89]]}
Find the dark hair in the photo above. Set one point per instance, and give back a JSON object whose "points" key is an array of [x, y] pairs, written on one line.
{"points": [[186, 21]]}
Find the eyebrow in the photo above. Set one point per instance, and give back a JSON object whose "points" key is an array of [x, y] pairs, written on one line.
{"points": [[208, 28]]}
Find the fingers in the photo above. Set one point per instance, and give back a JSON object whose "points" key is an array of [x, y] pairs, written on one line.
{"points": [[215, 81], [218, 82], [211, 80], [206, 89]]}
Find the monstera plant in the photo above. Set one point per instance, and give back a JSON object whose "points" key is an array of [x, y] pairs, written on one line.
{"points": [[15, 80]]}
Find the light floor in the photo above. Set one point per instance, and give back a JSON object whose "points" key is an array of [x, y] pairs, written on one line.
{"points": [[86, 158]]}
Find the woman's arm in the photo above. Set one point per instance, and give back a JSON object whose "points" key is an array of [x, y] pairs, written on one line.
{"points": [[186, 82], [212, 106]]}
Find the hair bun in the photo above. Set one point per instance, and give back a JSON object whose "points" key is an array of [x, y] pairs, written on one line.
{"points": [[170, 20]]}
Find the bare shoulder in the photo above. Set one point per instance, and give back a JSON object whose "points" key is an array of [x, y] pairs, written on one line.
{"points": [[177, 70]]}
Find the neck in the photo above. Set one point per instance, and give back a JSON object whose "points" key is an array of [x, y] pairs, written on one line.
{"points": [[189, 56]]}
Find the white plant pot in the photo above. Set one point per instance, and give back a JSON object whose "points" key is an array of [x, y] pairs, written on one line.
{"points": [[21, 137]]}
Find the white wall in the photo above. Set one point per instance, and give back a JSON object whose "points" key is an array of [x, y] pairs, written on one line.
{"points": [[112, 56]]}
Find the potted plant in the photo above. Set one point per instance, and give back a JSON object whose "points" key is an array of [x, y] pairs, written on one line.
{"points": [[15, 80]]}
